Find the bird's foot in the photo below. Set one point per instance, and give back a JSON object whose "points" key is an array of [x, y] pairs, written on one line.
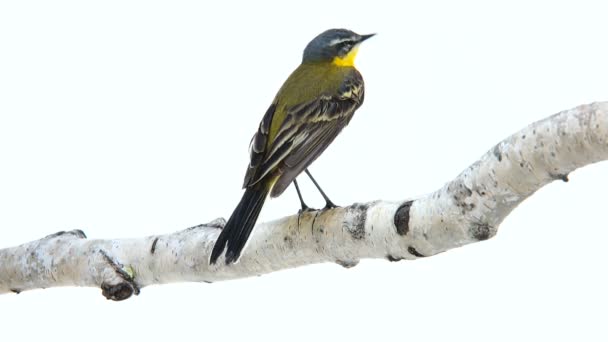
{"points": [[329, 205], [306, 209]]}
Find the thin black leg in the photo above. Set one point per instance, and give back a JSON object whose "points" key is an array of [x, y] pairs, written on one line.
{"points": [[304, 206], [328, 203]]}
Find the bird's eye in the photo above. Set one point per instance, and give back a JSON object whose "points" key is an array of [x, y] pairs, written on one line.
{"points": [[345, 47]]}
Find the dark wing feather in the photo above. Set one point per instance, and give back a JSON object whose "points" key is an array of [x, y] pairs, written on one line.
{"points": [[257, 147], [305, 154], [321, 122], [304, 134]]}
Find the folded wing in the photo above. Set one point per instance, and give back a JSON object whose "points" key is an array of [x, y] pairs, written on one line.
{"points": [[306, 132]]}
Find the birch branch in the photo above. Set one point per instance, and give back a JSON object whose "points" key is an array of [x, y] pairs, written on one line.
{"points": [[468, 209]]}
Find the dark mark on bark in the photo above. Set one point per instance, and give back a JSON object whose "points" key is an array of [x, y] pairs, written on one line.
{"points": [[153, 248], [480, 231], [16, 291], [218, 223], [120, 291], [314, 219], [392, 258], [347, 264], [561, 176], [497, 152], [460, 194], [198, 226], [288, 241], [76, 232], [54, 235], [357, 230], [207, 281], [414, 252], [402, 218]]}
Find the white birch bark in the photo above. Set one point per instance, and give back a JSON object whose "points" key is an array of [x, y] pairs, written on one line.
{"points": [[468, 209]]}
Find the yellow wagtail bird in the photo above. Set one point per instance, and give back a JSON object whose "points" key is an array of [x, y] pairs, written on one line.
{"points": [[314, 104]]}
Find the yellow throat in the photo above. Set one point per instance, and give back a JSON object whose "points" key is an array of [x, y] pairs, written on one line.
{"points": [[349, 59]]}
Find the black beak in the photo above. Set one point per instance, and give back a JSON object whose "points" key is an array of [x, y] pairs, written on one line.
{"points": [[366, 37]]}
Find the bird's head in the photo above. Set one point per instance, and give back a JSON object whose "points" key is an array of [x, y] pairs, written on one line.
{"points": [[338, 46]]}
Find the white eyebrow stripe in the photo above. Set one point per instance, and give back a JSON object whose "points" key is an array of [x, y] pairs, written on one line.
{"points": [[341, 40]]}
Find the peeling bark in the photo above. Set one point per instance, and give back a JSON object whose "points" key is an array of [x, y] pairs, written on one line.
{"points": [[468, 209]]}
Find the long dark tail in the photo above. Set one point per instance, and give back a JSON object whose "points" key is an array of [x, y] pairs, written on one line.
{"points": [[240, 224]]}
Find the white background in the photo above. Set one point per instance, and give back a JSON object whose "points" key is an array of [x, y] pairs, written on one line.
{"points": [[134, 118]]}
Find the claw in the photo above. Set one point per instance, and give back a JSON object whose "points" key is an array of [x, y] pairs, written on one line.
{"points": [[329, 205], [306, 209]]}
